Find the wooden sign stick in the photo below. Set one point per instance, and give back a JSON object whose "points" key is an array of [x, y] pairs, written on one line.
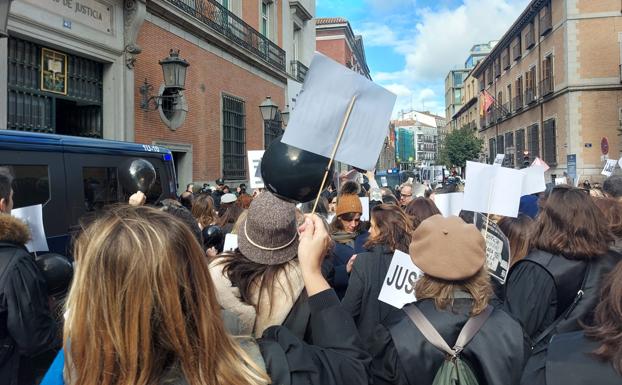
{"points": [[335, 147]]}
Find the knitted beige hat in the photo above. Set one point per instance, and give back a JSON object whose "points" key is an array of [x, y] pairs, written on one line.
{"points": [[348, 203], [448, 248]]}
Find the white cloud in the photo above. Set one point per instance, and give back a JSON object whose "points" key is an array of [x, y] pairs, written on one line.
{"points": [[435, 42], [443, 38], [398, 89]]}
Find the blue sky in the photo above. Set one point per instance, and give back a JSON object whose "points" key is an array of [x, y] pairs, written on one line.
{"points": [[411, 44]]}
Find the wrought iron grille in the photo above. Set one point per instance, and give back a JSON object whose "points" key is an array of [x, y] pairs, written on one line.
{"points": [[299, 70], [224, 22], [233, 138], [31, 109]]}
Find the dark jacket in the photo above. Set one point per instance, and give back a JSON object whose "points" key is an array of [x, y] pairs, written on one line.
{"points": [[336, 357], [541, 287], [495, 353], [26, 325], [361, 298], [569, 362], [342, 252]]}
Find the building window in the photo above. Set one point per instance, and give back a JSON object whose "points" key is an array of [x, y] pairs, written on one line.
{"points": [[530, 85], [233, 139], [530, 37], [509, 147], [547, 75], [458, 79], [518, 100], [516, 49], [265, 18], [550, 155], [520, 142], [534, 141], [492, 150], [500, 145], [508, 105], [458, 96], [546, 21]]}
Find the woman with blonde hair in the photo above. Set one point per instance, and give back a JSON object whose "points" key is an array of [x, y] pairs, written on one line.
{"points": [[142, 310]]}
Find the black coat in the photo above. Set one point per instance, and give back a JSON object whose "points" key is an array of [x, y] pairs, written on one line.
{"points": [[27, 328], [342, 252], [361, 298], [337, 356], [569, 362], [496, 353]]}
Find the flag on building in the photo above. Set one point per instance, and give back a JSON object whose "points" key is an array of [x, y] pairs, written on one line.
{"points": [[487, 101]]}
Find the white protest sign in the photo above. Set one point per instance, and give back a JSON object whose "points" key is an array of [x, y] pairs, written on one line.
{"points": [[33, 217], [533, 180], [449, 204], [561, 180], [327, 92], [493, 190], [398, 288], [254, 173], [383, 181], [620, 162], [231, 242], [365, 204], [499, 159], [540, 162], [609, 168]]}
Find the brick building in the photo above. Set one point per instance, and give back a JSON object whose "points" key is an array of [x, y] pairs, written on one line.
{"points": [[91, 68], [556, 78], [336, 39], [240, 52]]}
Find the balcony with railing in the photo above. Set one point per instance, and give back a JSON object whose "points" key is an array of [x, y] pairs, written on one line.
{"points": [[507, 109], [299, 70], [547, 86], [224, 22]]}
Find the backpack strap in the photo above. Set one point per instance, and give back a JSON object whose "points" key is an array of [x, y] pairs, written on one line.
{"points": [[578, 297], [469, 330]]}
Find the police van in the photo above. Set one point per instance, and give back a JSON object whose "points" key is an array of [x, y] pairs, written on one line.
{"points": [[74, 176]]}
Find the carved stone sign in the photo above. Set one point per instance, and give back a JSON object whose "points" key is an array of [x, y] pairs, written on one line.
{"points": [[95, 14]]}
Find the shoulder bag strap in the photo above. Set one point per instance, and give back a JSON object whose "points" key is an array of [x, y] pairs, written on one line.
{"points": [[471, 327], [565, 314], [428, 331]]}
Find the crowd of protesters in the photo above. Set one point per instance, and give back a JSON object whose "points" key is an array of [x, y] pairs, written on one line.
{"points": [[156, 300]]}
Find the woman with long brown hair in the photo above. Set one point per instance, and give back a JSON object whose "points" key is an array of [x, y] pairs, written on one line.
{"points": [[203, 210], [142, 310], [390, 230], [612, 211], [555, 287], [420, 209], [454, 288], [518, 231]]}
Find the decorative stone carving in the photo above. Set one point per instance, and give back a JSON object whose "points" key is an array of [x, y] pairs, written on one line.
{"points": [[134, 12]]}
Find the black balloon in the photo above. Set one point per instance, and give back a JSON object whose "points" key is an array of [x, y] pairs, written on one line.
{"points": [[137, 175], [57, 271], [213, 236], [291, 173]]}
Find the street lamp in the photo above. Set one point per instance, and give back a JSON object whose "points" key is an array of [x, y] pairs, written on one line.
{"points": [[268, 109], [285, 115], [174, 73]]}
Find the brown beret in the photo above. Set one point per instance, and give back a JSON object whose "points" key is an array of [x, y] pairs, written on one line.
{"points": [[348, 203], [448, 248]]}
